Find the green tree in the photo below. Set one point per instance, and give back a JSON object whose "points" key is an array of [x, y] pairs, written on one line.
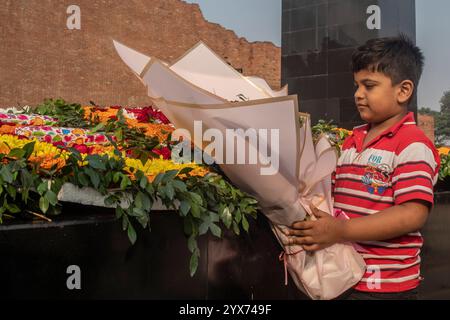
{"points": [[441, 119], [442, 125]]}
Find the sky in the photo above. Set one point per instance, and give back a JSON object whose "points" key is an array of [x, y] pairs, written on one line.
{"points": [[260, 20], [256, 20]]}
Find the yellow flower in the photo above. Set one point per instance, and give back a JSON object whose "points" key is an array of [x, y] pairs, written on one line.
{"points": [[44, 154], [444, 150], [155, 166]]}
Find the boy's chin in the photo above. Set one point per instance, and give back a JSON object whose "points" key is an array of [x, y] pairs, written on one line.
{"points": [[365, 115]]}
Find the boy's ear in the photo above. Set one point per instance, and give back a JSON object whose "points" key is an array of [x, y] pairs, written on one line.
{"points": [[405, 91]]}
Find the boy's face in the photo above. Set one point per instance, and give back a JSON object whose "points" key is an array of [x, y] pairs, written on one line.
{"points": [[376, 98]]}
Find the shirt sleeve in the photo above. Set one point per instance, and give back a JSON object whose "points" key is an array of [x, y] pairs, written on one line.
{"points": [[415, 173]]}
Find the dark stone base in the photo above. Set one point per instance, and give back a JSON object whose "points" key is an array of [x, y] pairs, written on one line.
{"points": [[35, 257]]}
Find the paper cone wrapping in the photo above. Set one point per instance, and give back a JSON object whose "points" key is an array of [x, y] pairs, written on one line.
{"points": [[289, 172]]}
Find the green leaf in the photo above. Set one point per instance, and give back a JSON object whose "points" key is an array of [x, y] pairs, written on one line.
{"points": [[244, 223], [203, 228], [143, 182], [138, 212], [110, 200], [125, 182], [6, 174], [94, 176], [238, 216], [13, 208], [83, 179], [147, 203], [28, 148], [117, 177], [236, 228], [143, 201], [16, 153], [195, 210], [170, 192], [119, 212], [192, 243], [98, 127], [185, 170], [12, 191], [215, 229], [185, 206], [138, 200], [43, 204], [227, 218], [149, 188], [124, 222], [95, 162], [42, 187], [169, 175], [193, 265], [119, 134], [196, 198], [51, 197], [131, 234], [179, 185], [158, 178]]}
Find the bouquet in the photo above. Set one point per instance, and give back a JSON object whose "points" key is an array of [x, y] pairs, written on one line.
{"points": [[263, 145]]}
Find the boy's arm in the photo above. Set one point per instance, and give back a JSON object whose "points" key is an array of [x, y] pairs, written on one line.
{"points": [[387, 224]]}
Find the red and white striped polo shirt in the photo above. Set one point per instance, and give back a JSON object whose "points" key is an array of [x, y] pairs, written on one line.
{"points": [[400, 165]]}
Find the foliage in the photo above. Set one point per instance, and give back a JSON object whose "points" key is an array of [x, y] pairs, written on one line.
{"points": [[68, 114], [441, 119], [33, 173], [335, 135]]}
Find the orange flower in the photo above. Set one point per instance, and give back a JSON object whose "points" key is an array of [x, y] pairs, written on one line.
{"points": [[444, 150], [7, 129], [37, 122], [102, 114], [48, 161]]}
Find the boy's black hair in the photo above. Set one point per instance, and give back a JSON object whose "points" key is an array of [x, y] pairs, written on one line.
{"points": [[397, 57]]}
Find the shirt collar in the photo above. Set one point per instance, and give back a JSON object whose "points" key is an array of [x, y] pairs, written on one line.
{"points": [[360, 132]]}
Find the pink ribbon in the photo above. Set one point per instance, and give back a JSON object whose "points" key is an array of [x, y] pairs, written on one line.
{"points": [[283, 257]]}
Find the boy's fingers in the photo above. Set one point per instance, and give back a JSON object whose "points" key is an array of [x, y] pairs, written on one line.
{"points": [[302, 225], [299, 233], [301, 240], [311, 248]]}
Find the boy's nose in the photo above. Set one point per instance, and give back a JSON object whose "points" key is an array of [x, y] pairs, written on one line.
{"points": [[358, 95]]}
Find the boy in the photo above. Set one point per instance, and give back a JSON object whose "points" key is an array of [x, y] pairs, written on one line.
{"points": [[384, 178]]}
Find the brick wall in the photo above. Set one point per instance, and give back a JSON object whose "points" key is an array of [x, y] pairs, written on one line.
{"points": [[426, 123], [41, 58]]}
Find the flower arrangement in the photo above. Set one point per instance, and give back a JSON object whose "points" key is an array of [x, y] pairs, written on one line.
{"points": [[122, 153]]}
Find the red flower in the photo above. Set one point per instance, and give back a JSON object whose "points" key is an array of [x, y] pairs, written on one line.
{"points": [[129, 153], [100, 139], [48, 139], [82, 148], [59, 143], [165, 152]]}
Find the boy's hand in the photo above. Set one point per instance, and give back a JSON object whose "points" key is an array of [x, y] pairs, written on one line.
{"points": [[316, 235]]}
